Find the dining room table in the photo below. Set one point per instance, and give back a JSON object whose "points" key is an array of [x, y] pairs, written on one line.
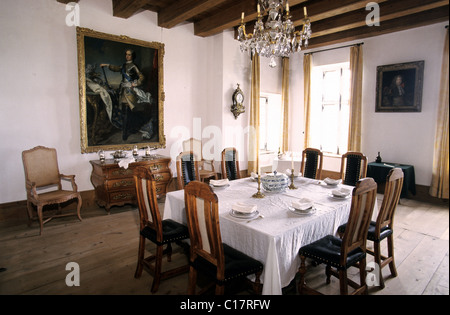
{"points": [[274, 233]]}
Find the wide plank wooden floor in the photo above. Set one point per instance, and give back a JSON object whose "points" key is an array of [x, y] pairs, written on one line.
{"points": [[105, 248]]}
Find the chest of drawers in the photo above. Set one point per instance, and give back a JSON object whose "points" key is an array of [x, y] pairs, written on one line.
{"points": [[114, 185]]}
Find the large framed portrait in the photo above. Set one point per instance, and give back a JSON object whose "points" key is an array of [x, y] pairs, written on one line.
{"points": [[121, 92], [399, 87]]}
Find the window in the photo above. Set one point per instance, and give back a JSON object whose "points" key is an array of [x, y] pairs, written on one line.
{"points": [[269, 122], [329, 120]]}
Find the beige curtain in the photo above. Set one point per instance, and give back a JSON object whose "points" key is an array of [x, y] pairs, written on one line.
{"points": [[285, 101], [440, 179], [253, 141], [307, 64], [356, 70]]}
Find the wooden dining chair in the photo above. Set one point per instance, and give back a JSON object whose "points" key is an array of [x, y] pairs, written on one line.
{"points": [[187, 168], [230, 164], [208, 254], [383, 228], [195, 146], [153, 228], [311, 166], [42, 172], [353, 167], [351, 249]]}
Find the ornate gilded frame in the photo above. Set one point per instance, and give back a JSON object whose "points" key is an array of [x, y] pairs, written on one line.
{"points": [[103, 117], [399, 87]]}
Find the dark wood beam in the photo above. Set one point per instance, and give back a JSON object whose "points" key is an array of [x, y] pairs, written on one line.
{"points": [[230, 17], [67, 1], [388, 10], [125, 8], [184, 10], [432, 16]]}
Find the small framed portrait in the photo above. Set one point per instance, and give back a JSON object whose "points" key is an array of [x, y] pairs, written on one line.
{"points": [[399, 87], [121, 92]]}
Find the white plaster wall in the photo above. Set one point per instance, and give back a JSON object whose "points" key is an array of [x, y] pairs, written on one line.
{"points": [[40, 104]]}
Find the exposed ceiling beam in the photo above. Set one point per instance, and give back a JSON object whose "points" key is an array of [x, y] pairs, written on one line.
{"points": [[184, 10], [125, 8], [67, 1], [388, 10], [230, 17], [432, 16]]}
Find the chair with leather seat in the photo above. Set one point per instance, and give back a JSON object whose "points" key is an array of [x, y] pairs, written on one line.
{"points": [[353, 167], [230, 164], [312, 160], [344, 253], [153, 228], [208, 255], [195, 146], [383, 228], [187, 168], [42, 174]]}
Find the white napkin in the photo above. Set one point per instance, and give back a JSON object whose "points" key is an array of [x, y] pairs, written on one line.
{"points": [[219, 182], [343, 192], [330, 181], [254, 175], [302, 204], [244, 207], [124, 162]]}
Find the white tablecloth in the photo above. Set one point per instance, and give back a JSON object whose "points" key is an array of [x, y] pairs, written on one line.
{"points": [[275, 239]]}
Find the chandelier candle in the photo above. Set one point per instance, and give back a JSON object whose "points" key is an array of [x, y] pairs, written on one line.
{"points": [[277, 37]]}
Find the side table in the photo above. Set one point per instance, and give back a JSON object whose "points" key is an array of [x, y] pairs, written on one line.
{"points": [[379, 172], [114, 185]]}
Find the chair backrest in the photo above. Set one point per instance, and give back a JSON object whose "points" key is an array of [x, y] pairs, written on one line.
{"points": [[187, 168], [312, 160], [392, 191], [193, 145], [230, 164], [363, 201], [203, 223], [353, 167], [41, 166], [149, 214]]}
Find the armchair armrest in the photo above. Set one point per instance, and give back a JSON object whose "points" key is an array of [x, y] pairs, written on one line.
{"points": [[72, 181], [31, 189], [211, 162]]}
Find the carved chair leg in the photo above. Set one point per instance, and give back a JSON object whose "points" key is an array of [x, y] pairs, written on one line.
{"points": [[141, 252], [362, 276], [158, 265], [302, 271], [30, 212], [192, 280], [80, 202], [343, 282], [378, 261], [169, 252], [392, 267], [41, 220]]}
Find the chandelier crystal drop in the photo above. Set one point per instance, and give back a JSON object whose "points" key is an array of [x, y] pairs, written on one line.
{"points": [[277, 37]]}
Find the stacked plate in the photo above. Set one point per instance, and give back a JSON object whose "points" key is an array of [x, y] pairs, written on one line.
{"points": [[341, 193], [302, 206], [220, 183], [242, 210], [331, 182]]}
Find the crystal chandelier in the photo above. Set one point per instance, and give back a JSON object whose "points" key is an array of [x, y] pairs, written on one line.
{"points": [[278, 37]]}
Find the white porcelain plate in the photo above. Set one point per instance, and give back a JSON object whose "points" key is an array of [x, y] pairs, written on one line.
{"points": [[243, 215], [302, 212]]}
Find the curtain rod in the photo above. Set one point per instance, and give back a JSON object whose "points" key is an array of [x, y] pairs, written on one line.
{"points": [[313, 52]]}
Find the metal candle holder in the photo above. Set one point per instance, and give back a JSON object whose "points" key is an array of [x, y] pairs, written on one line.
{"points": [[292, 186], [259, 194]]}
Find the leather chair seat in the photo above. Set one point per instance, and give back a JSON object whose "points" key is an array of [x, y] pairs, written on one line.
{"points": [[172, 231], [327, 250], [237, 265], [371, 236]]}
